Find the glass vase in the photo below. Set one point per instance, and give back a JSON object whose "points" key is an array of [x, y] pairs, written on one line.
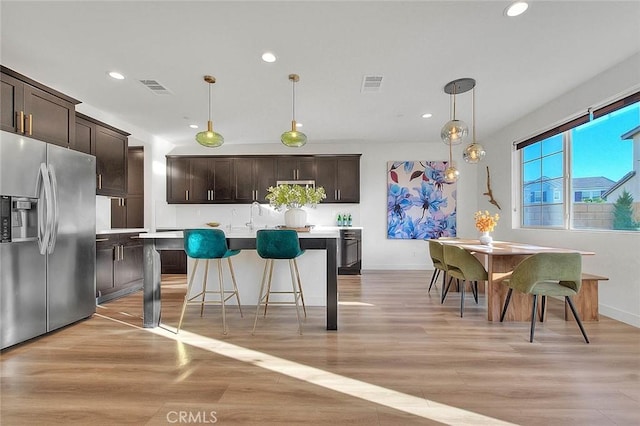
{"points": [[486, 239]]}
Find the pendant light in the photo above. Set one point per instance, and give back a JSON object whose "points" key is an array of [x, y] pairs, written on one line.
{"points": [[451, 174], [454, 131], [294, 138], [210, 139], [474, 152]]}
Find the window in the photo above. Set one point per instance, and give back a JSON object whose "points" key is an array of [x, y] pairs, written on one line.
{"points": [[575, 175]]}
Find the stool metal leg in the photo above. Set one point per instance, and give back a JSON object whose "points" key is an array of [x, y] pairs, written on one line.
{"points": [[260, 295], [295, 293], [235, 286], [304, 308], [204, 286], [221, 283], [186, 296], [266, 302]]}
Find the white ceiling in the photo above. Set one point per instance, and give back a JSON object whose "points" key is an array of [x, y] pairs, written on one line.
{"points": [[418, 46]]}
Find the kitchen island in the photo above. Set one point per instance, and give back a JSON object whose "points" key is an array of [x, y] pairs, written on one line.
{"points": [[243, 239]]}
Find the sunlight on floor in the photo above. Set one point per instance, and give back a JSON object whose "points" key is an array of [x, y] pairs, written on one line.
{"points": [[397, 400]]}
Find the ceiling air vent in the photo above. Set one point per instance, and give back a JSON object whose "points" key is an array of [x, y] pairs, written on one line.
{"points": [[156, 87], [371, 83]]}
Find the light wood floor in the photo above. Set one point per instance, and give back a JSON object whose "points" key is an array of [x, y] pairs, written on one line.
{"points": [[399, 358]]}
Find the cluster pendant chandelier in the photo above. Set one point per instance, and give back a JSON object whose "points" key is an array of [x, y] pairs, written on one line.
{"points": [[293, 138], [209, 138], [454, 131]]}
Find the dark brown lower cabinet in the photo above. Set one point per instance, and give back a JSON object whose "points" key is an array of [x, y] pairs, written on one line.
{"points": [[173, 262], [119, 265]]}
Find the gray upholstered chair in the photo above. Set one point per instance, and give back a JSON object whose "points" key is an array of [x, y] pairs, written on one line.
{"points": [[547, 274], [436, 252], [465, 267]]}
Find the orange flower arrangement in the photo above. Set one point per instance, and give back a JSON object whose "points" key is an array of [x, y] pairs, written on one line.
{"points": [[484, 221]]}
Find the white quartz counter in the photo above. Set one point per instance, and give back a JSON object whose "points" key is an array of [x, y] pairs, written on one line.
{"points": [[121, 231], [317, 232]]}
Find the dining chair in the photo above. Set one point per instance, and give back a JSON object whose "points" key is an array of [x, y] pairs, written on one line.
{"points": [[436, 252], [547, 274], [209, 244], [465, 267], [279, 244]]}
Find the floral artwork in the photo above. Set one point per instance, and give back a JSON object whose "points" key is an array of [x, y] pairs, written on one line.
{"points": [[420, 204]]}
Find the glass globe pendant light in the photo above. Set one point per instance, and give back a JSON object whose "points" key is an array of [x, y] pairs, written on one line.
{"points": [[454, 131], [294, 138], [451, 174], [209, 138], [474, 152]]}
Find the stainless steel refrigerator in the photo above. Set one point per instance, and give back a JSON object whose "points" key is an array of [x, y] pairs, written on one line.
{"points": [[47, 237]]}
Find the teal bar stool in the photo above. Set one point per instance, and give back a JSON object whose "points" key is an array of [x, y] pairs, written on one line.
{"points": [[209, 244], [279, 244]]}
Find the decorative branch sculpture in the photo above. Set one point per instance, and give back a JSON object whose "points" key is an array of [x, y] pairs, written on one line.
{"points": [[489, 192]]}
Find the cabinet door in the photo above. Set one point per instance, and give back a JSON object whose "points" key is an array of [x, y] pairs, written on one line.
{"points": [[326, 177], [85, 140], [111, 162], [119, 213], [244, 191], [11, 103], [222, 180], [128, 271], [201, 181], [348, 179], [49, 118], [104, 266], [173, 262], [264, 177], [296, 168], [178, 170]]}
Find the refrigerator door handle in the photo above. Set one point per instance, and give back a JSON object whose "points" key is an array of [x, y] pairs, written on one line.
{"points": [[54, 211], [44, 209]]}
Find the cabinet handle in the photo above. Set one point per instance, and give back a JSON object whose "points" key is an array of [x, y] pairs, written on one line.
{"points": [[99, 181], [121, 252], [20, 121], [339, 195], [186, 195], [30, 133], [101, 240]]}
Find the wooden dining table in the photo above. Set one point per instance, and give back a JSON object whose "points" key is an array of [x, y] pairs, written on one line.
{"points": [[500, 258]]}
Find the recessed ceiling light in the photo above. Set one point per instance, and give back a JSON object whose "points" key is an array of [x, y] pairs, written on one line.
{"points": [[427, 115], [268, 57], [116, 75], [516, 8], [193, 126]]}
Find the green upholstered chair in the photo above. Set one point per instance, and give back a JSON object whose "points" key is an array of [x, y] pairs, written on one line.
{"points": [[209, 244], [436, 252], [465, 267], [279, 244], [547, 274]]}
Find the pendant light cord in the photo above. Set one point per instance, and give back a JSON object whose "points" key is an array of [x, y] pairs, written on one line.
{"points": [[473, 113], [209, 101], [293, 104]]}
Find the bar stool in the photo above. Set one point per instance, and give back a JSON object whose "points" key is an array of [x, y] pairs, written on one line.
{"points": [[209, 244], [279, 244]]}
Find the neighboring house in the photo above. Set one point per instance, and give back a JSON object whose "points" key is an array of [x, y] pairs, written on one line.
{"points": [[542, 191], [631, 181], [590, 188]]}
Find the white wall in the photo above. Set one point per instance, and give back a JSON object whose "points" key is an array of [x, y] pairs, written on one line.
{"points": [[617, 253]]}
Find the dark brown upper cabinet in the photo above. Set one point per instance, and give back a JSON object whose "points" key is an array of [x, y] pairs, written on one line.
{"points": [[340, 178], [110, 146], [295, 168], [129, 212], [35, 110], [253, 175], [199, 180]]}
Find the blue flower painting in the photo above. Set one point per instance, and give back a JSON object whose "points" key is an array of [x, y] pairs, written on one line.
{"points": [[420, 204]]}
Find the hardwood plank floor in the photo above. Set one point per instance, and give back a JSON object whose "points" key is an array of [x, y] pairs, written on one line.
{"points": [[399, 358]]}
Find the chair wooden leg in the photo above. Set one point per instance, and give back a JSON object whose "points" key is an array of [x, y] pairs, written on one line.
{"points": [[533, 317], [221, 283], [186, 296], [434, 278], [304, 308], [543, 308], [204, 286], [260, 295], [235, 286], [295, 293], [577, 317], [506, 304]]}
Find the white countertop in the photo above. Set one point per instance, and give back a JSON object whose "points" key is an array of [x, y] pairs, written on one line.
{"points": [[122, 231], [317, 232]]}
